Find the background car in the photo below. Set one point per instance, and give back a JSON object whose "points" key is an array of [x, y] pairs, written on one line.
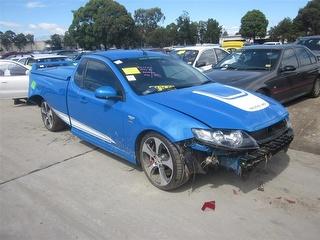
{"points": [[28, 61], [14, 80], [283, 72], [311, 42], [201, 57]]}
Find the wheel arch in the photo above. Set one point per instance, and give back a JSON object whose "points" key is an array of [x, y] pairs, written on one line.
{"points": [[37, 99]]}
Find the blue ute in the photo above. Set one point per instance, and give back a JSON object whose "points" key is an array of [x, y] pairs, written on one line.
{"points": [[160, 113]]}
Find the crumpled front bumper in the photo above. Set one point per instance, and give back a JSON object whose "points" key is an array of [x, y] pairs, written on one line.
{"points": [[245, 160]]}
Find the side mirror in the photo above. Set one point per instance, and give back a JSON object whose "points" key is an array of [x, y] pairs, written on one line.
{"points": [[27, 72], [107, 92], [288, 68], [200, 64]]}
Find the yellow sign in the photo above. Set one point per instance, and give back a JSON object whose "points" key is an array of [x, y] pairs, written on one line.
{"points": [[131, 71], [181, 52], [161, 88]]}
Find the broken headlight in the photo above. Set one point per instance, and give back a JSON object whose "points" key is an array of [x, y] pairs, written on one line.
{"points": [[234, 139]]}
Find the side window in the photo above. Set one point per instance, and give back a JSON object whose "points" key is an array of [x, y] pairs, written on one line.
{"points": [[3, 68], [303, 56], [312, 57], [16, 70], [97, 75], [220, 54], [207, 57], [289, 58], [78, 76]]}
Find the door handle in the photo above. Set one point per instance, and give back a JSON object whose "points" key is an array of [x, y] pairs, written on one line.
{"points": [[83, 100], [4, 82]]}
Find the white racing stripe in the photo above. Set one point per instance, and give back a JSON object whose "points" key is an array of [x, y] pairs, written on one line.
{"points": [[62, 116], [243, 100], [90, 131], [83, 127]]}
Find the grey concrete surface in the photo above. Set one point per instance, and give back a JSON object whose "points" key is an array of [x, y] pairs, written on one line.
{"points": [[54, 186]]}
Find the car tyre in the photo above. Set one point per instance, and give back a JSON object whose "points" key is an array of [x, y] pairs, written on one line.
{"points": [[316, 88], [162, 162], [50, 119]]}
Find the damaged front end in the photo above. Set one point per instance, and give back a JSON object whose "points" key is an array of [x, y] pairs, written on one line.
{"points": [[236, 150]]}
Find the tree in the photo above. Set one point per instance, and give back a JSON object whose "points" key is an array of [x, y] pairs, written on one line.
{"points": [[146, 20], [172, 34], [7, 39], [158, 38], [213, 32], [55, 42], [103, 22], [253, 24], [284, 31], [20, 41], [307, 21], [225, 33], [30, 39], [68, 40], [187, 30], [202, 29]]}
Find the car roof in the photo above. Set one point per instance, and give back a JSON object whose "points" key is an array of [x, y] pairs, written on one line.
{"points": [[10, 61], [122, 54], [309, 37], [279, 47], [197, 47], [43, 56]]}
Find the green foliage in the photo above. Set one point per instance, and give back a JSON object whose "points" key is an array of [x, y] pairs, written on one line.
{"points": [[254, 24], [20, 41], [187, 31], [55, 42], [284, 31], [30, 39], [158, 38], [101, 22], [7, 39], [307, 21], [68, 40], [213, 31]]}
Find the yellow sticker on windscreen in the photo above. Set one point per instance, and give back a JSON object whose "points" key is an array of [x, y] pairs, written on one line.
{"points": [[131, 70], [181, 52]]}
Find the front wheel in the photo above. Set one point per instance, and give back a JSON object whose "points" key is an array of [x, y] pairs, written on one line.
{"points": [[316, 88], [161, 162], [50, 120]]}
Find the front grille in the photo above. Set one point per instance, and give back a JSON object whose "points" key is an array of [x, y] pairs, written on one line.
{"points": [[266, 149], [264, 135]]}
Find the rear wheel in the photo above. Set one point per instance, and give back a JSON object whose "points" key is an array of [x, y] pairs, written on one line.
{"points": [[50, 120], [316, 88], [161, 162]]}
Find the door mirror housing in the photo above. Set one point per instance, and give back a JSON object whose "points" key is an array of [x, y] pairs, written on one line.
{"points": [[200, 64], [288, 68], [107, 92]]}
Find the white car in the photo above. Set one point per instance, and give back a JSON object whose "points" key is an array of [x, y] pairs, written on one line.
{"points": [[39, 58], [14, 80], [201, 57]]}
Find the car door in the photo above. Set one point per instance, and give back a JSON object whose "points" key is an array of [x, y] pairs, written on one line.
{"points": [[206, 59], [97, 120], [308, 71], [14, 80], [283, 83]]}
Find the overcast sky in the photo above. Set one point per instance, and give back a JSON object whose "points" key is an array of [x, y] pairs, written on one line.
{"points": [[46, 17]]}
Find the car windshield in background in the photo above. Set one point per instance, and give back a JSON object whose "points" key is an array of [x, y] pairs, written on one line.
{"points": [[313, 43], [152, 74], [188, 56], [251, 59]]}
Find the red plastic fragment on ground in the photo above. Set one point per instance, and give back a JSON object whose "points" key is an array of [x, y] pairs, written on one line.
{"points": [[211, 205], [290, 201]]}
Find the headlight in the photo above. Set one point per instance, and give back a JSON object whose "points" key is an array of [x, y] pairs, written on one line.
{"points": [[289, 125], [226, 138]]}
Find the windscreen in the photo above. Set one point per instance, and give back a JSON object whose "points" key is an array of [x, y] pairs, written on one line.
{"points": [[251, 59], [188, 56], [157, 74]]}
